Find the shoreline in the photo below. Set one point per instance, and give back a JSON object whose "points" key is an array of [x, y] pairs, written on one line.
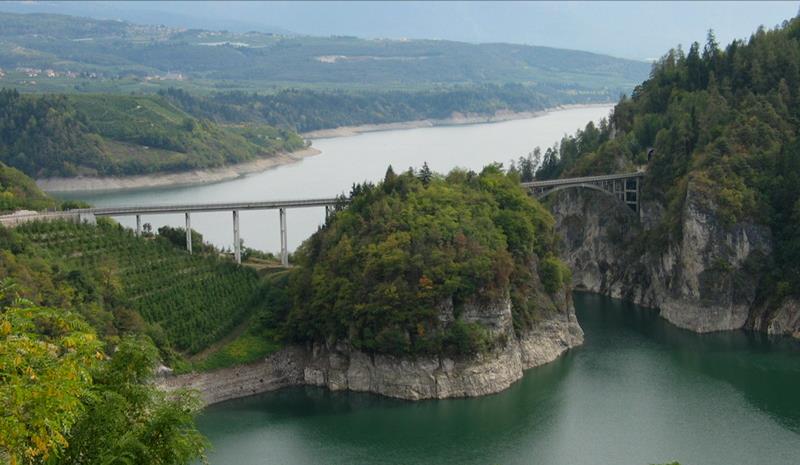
{"points": [[186, 178], [456, 120], [58, 185]]}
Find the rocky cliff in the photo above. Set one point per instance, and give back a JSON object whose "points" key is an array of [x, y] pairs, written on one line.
{"points": [[437, 377], [703, 277], [340, 367]]}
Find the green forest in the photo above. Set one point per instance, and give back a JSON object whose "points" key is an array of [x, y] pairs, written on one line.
{"points": [[87, 312], [378, 273], [724, 120], [103, 134], [308, 109], [265, 81], [19, 192]]}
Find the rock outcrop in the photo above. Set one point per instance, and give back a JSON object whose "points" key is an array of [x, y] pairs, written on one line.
{"points": [[706, 280], [341, 367], [436, 377], [281, 369]]}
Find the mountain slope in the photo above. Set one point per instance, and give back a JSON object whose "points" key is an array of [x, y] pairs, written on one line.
{"points": [[115, 49], [57, 135], [718, 245]]}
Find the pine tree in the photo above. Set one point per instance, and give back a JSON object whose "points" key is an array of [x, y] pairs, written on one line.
{"points": [[425, 174]]}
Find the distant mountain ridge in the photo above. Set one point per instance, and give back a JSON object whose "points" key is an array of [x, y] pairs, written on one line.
{"points": [[222, 60]]}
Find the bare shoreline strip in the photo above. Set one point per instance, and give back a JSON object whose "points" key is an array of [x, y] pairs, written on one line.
{"points": [[225, 173], [455, 120], [203, 176]]}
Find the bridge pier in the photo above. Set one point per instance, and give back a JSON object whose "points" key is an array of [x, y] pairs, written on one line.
{"points": [[237, 244], [284, 246], [631, 188], [188, 233], [138, 225]]}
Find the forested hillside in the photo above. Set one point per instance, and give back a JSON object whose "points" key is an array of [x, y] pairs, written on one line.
{"points": [[19, 192], [309, 110], [295, 82], [723, 123], [385, 269], [87, 313], [100, 134]]}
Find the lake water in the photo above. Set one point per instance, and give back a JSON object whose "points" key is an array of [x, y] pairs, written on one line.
{"points": [[639, 391], [343, 161]]}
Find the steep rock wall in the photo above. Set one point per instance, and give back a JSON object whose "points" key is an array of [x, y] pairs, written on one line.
{"points": [[436, 377], [704, 281]]}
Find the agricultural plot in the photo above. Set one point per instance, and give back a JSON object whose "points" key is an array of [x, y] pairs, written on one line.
{"points": [[195, 299]]}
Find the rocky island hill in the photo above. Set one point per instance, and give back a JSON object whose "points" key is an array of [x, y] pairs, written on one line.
{"points": [[432, 287], [423, 286]]}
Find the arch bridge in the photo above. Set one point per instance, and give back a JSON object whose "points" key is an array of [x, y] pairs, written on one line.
{"points": [[626, 187]]}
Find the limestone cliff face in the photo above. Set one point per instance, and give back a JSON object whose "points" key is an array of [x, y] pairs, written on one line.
{"points": [[340, 367], [704, 281], [436, 377]]}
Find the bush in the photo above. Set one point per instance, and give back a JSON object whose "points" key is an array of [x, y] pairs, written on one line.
{"points": [[467, 338], [554, 274]]}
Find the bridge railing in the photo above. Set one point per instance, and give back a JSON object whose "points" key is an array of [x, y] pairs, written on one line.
{"points": [[582, 180]]}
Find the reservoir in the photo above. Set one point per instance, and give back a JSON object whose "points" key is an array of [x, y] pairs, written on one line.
{"points": [[343, 161], [639, 391]]}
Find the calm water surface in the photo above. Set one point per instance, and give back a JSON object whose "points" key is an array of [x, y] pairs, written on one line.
{"points": [[343, 161], [639, 391]]}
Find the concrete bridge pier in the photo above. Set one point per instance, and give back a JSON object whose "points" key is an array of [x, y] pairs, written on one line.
{"points": [[138, 225], [284, 246], [188, 233], [237, 244]]}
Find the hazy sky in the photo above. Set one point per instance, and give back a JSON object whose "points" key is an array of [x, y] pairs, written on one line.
{"points": [[640, 30]]}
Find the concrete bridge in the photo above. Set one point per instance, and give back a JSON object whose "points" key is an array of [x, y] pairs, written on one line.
{"points": [[89, 214], [624, 187], [233, 207]]}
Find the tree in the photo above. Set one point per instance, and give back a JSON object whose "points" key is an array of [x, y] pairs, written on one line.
{"points": [[128, 420], [46, 359], [64, 401], [425, 174]]}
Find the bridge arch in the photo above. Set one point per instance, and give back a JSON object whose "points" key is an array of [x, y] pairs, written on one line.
{"points": [[627, 207], [625, 188]]}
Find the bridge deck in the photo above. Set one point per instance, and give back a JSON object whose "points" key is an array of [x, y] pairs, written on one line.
{"points": [[208, 207], [583, 180]]}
